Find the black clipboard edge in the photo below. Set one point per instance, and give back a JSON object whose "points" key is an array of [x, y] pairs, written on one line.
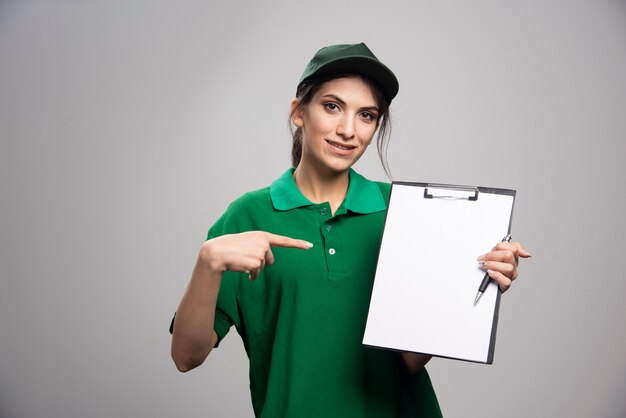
{"points": [[494, 328]]}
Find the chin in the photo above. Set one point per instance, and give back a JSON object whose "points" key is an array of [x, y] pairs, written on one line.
{"points": [[340, 167]]}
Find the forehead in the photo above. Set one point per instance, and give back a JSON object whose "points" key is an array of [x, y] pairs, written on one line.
{"points": [[351, 88]]}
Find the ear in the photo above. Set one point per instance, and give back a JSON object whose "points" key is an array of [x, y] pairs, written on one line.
{"points": [[296, 113]]}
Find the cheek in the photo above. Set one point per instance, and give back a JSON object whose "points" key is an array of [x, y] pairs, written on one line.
{"points": [[368, 135], [315, 125]]}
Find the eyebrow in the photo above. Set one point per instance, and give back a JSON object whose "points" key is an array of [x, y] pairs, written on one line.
{"points": [[343, 103]]}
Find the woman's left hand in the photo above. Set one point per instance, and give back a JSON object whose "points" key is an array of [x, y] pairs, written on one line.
{"points": [[501, 262]]}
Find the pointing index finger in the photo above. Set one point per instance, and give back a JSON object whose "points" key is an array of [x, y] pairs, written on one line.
{"points": [[287, 242]]}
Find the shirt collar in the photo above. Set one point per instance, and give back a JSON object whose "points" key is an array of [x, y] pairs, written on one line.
{"points": [[363, 195]]}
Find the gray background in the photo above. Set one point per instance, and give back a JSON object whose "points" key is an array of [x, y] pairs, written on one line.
{"points": [[127, 127]]}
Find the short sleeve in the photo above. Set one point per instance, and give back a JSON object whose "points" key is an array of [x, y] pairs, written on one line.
{"points": [[227, 308], [227, 311]]}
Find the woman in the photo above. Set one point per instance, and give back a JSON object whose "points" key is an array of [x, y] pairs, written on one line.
{"points": [[294, 263]]}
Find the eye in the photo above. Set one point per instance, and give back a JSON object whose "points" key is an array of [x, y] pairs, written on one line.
{"points": [[368, 116], [331, 106]]}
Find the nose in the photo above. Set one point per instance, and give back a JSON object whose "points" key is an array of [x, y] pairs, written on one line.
{"points": [[345, 129]]}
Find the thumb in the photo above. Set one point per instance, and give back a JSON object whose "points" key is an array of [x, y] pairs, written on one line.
{"points": [[522, 251]]}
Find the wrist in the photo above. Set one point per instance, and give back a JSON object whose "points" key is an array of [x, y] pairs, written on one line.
{"points": [[208, 260]]}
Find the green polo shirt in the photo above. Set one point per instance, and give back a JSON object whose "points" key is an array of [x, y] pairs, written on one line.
{"points": [[302, 320]]}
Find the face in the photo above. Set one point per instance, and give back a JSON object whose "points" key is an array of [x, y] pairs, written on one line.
{"points": [[338, 124]]}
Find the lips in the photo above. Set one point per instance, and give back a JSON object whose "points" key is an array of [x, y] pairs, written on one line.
{"points": [[340, 146]]}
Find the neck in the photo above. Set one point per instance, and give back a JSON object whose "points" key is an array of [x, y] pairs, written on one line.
{"points": [[322, 187]]}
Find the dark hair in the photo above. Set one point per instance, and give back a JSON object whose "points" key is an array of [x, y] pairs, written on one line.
{"points": [[305, 93]]}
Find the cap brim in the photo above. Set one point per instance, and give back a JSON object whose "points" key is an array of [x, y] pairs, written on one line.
{"points": [[373, 69]]}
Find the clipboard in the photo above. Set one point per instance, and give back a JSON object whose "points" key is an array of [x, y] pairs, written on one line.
{"points": [[427, 274]]}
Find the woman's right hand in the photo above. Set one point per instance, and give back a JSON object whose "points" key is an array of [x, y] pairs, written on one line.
{"points": [[194, 336], [246, 252]]}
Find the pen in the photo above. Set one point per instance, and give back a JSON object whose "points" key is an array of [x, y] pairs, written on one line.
{"points": [[486, 278]]}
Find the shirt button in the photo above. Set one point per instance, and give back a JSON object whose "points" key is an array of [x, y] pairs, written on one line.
{"points": [[323, 211], [329, 228], [331, 251]]}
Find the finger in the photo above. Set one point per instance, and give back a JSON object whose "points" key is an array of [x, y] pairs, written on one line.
{"points": [[287, 242], [507, 246], [501, 255], [503, 282], [269, 257], [516, 247], [504, 245], [259, 264], [253, 274], [508, 270], [522, 251]]}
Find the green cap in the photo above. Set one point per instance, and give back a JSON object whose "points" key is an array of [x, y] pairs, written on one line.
{"points": [[352, 58]]}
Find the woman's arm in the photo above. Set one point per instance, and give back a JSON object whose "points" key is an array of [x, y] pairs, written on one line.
{"points": [[194, 336]]}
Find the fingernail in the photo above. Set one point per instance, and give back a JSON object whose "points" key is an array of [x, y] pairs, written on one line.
{"points": [[308, 245], [482, 257], [481, 263]]}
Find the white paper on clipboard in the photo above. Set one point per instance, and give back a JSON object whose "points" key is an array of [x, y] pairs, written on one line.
{"points": [[427, 274]]}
